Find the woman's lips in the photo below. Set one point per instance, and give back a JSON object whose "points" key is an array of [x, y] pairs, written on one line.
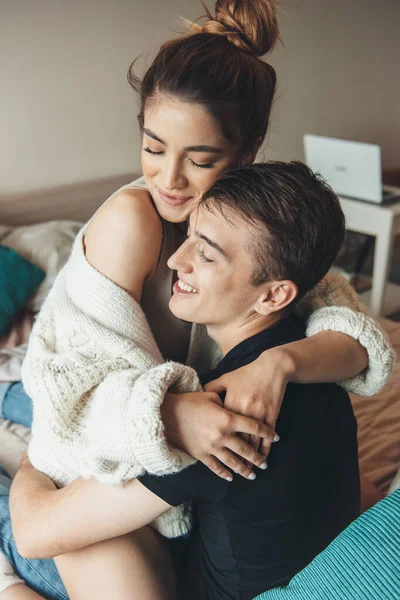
{"points": [[173, 200]]}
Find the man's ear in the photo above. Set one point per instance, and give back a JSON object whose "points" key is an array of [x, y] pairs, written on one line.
{"points": [[276, 296]]}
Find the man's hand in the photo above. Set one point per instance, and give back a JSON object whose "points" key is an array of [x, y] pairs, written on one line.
{"points": [[256, 390], [39, 481], [25, 463], [199, 424]]}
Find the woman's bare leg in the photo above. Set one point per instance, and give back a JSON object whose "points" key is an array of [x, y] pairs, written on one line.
{"points": [[132, 566], [19, 592]]}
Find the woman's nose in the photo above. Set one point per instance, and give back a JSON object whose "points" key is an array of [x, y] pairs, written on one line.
{"points": [[173, 176]]}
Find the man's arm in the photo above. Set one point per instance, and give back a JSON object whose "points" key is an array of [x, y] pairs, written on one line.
{"points": [[48, 522]]}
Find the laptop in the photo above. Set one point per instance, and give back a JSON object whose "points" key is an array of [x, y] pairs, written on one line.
{"points": [[353, 169]]}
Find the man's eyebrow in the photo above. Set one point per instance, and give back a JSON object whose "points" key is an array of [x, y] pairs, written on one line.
{"points": [[211, 243], [153, 135]]}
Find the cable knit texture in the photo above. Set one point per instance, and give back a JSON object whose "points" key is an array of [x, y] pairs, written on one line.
{"points": [[97, 378], [333, 306]]}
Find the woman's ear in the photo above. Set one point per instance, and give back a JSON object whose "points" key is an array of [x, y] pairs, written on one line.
{"points": [[249, 158], [276, 296]]}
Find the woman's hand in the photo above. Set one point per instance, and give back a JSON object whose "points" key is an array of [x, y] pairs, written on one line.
{"points": [[199, 424], [256, 390]]}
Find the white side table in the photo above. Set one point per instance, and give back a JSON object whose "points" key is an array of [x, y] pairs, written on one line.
{"points": [[382, 221]]}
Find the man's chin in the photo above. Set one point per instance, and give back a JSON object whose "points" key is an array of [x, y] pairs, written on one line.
{"points": [[175, 306]]}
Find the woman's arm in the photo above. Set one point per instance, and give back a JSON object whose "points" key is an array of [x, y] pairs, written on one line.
{"points": [[91, 342], [333, 306], [48, 522], [257, 389], [344, 346], [123, 240]]}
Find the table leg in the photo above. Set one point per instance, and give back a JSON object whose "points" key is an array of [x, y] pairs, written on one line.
{"points": [[382, 257]]}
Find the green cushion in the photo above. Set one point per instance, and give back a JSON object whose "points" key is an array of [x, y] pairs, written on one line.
{"points": [[18, 280], [362, 563]]}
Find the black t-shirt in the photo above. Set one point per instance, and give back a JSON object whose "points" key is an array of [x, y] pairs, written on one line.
{"points": [[250, 536]]}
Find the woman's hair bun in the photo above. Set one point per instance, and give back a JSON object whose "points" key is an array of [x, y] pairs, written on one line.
{"points": [[251, 25]]}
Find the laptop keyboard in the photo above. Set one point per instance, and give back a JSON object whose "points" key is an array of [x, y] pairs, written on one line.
{"points": [[388, 197]]}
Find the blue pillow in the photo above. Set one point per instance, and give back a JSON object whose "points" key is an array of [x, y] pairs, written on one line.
{"points": [[19, 278], [362, 563]]}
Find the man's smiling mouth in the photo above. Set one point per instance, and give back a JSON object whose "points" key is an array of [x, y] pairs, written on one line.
{"points": [[186, 287]]}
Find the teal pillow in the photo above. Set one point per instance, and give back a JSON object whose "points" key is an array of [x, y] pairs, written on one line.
{"points": [[362, 563], [19, 278]]}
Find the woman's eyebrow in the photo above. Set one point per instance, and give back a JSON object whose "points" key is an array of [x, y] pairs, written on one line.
{"points": [[153, 135], [212, 149], [201, 148]]}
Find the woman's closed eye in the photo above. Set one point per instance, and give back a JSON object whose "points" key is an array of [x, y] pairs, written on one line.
{"points": [[209, 165], [153, 152]]}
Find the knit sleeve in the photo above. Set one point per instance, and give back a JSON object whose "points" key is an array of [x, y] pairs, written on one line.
{"points": [[97, 381], [333, 306], [123, 425]]}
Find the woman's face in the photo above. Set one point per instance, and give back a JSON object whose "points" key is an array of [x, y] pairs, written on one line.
{"points": [[183, 153]]}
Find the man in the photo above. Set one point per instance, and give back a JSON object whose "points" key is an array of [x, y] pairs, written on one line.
{"points": [[261, 238]]}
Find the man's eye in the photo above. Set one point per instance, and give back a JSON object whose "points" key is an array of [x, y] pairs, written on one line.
{"points": [[150, 151], [204, 258]]}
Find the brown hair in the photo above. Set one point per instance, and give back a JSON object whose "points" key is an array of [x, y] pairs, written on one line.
{"points": [[217, 65], [299, 223]]}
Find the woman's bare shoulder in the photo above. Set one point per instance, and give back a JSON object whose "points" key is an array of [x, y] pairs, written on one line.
{"points": [[123, 239]]}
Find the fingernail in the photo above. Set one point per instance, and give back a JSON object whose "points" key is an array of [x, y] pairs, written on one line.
{"points": [[264, 466], [276, 438], [252, 476], [229, 478]]}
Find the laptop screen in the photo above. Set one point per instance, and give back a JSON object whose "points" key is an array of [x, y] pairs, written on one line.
{"points": [[352, 168]]}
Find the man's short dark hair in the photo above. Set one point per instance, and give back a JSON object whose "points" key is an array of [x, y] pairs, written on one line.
{"points": [[299, 223]]}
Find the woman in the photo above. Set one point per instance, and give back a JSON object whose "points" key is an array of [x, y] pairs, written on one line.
{"points": [[197, 122]]}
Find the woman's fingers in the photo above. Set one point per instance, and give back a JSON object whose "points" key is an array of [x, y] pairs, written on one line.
{"points": [[236, 464], [217, 467], [242, 449], [265, 448], [217, 386], [241, 424]]}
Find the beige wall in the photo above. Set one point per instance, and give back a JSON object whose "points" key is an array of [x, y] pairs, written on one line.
{"points": [[339, 75], [67, 114]]}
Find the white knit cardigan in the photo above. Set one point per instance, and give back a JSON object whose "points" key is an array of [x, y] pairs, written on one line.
{"points": [[97, 378]]}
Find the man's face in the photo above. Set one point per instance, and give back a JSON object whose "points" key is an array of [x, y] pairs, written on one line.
{"points": [[214, 266]]}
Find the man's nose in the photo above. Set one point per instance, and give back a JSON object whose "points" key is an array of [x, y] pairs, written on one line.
{"points": [[180, 260]]}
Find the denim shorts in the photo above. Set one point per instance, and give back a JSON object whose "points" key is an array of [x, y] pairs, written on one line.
{"points": [[15, 404], [40, 575]]}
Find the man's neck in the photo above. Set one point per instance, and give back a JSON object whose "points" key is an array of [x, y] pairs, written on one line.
{"points": [[229, 336]]}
